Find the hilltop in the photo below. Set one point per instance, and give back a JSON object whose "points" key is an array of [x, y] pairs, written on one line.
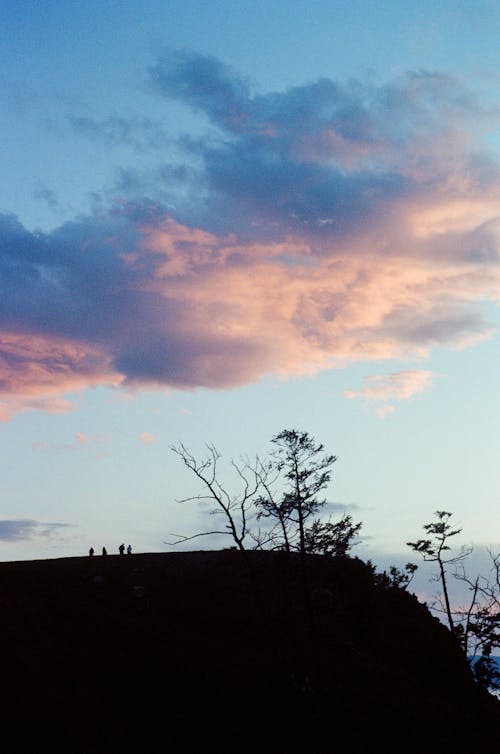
{"points": [[192, 651]]}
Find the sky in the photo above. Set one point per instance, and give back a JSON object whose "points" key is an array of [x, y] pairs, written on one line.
{"points": [[221, 219]]}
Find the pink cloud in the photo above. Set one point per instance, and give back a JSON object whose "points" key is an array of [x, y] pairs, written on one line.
{"points": [[49, 362], [147, 438], [85, 441], [14, 404], [397, 386], [35, 370], [307, 311], [369, 229], [384, 411], [245, 309], [82, 442]]}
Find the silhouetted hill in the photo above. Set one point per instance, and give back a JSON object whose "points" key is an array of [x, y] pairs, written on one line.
{"points": [[186, 652]]}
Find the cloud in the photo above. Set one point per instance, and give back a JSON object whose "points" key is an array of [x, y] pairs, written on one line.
{"points": [[82, 442], [206, 84], [397, 386], [14, 404], [142, 134], [147, 438], [48, 196], [383, 411], [342, 507], [12, 530], [327, 151], [329, 223]]}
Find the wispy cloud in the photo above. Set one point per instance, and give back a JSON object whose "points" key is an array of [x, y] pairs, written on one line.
{"points": [[11, 404], [147, 438], [384, 411], [12, 530], [142, 134], [93, 444], [328, 223], [47, 195], [85, 440], [398, 386], [341, 507]]}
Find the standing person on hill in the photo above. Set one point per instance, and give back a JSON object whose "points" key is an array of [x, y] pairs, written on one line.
{"points": [[91, 551], [129, 549], [104, 551], [121, 549]]}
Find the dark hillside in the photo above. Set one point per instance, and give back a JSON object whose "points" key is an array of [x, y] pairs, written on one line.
{"points": [[186, 652]]}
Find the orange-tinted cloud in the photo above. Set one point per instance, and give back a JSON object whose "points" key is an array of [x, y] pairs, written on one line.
{"points": [[398, 386], [94, 445], [325, 224], [37, 369], [147, 438], [203, 310], [384, 411]]}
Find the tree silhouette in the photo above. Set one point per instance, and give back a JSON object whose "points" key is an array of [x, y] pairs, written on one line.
{"points": [[236, 508], [475, 626], [306, 469], [331, 539], [303, 469], [433, 550]]}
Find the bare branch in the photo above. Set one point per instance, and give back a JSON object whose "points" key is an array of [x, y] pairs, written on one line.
{"points": [[181, 538], [236, 509]]}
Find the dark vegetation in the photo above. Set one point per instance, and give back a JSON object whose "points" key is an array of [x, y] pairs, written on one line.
{"points": [[283, 492], [282, 643], [187, 652], [475, 625]]}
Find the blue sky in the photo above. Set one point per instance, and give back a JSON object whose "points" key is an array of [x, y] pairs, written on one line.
{"points": [[219, 220]]}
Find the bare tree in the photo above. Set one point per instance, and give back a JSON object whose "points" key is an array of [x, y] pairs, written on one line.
{"points": [[298, 463], [486, 586], [237, 509], [479, 627]]}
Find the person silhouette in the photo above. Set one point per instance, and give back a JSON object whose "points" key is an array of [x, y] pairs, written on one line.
{"points": [[121, 549], [129, 549], [91, 551], [104, 551]]}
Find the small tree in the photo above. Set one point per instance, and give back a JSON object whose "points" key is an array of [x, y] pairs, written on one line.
{"points": [[307, 471], [434, 549], [476, 626]]}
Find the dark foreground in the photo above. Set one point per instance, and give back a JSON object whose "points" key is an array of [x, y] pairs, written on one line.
{"points": [[188, 652]]}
